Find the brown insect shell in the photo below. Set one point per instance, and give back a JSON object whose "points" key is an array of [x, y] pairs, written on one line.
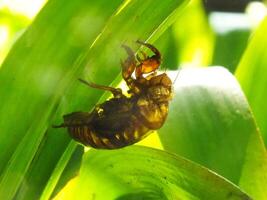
{"points": [[152, 105]]}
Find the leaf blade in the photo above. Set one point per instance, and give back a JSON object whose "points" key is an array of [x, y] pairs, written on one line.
{"points": [[44, 65], [171, 177], [210, 123]]}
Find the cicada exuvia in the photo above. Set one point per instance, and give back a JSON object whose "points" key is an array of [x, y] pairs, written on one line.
{"points": [[124, 120]]}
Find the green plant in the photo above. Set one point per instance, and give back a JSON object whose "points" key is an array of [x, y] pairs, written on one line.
{"points": [[210, 122]]}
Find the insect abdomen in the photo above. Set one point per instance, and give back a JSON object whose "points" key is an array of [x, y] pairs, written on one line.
{"points": [[82, 130], [86, 136]]}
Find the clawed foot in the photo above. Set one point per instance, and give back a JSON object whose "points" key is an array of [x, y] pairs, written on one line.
{"points": [[146, 64]]}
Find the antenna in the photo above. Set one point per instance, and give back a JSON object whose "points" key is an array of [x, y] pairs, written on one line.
{"points": [[178, 73]]}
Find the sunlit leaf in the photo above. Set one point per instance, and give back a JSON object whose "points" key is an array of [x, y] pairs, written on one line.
{"points": [[226, 54], [11, 26], [194, 36], [210, 122], [143, 173], [38, 79], [232, 31], [189, 41], [252, 75]]}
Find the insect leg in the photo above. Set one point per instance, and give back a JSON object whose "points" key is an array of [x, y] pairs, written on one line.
{"points": [[129, 65], [115, 91], [152, 48], [149, 64], [75, 119], [140, 59]]}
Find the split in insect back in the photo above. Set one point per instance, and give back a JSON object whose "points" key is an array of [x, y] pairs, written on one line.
{"points": [[125, 120]]}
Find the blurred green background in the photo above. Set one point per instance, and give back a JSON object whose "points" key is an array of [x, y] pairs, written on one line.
{"points": [[212, 145]]}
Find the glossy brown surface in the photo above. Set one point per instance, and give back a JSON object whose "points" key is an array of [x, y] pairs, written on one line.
{"points": [[122, 121]]}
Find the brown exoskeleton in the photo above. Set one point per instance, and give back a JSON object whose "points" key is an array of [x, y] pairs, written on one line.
{"points": [[121, 120]]}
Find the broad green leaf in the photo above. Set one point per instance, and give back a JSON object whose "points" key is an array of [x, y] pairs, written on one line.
{"points": [[144, 173], [38, 80], [11, 25], [194, 36], [232, 31], [70, 170], [189, 40], [210, 122], [168, 47], [252, 75], [32, 79], [227, 54]]}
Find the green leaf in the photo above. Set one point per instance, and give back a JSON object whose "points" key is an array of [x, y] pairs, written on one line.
{"points": [[189, 41], [144, 173], [252, 75], [33, 77], [38, 79], [194, 36], [210, 122], [227, 54], [59, 169], [13, 24]]}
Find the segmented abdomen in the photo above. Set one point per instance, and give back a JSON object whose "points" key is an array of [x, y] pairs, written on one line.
{"points": [[88, 137], [116, 123]]}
